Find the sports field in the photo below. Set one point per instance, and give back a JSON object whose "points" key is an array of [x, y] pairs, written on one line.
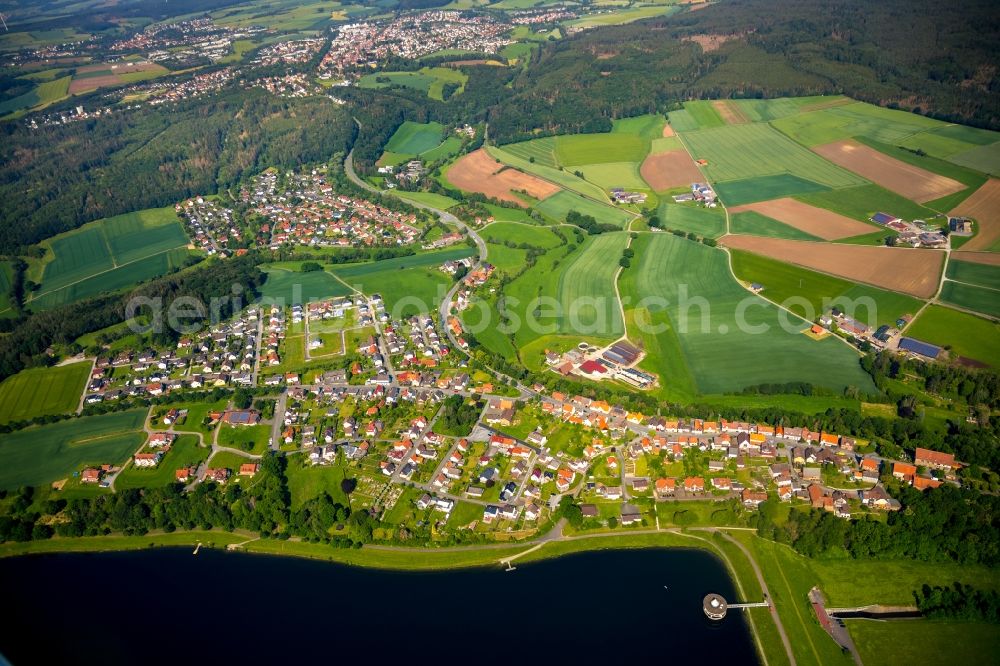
{"points": [[968, 335], [736, 152], [107, 255], [726, 338], [707, 222], [412, 138], [41, 391], [43, 454], [587, 289], [558, 205], [810, 294]]}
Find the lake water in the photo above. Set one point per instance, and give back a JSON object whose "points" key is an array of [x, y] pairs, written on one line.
{"points": [[168, 607]]}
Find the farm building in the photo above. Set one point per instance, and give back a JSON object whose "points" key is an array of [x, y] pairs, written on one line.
{"points": [[960, 226], [622, 353], [918, 348], [884, 218]]}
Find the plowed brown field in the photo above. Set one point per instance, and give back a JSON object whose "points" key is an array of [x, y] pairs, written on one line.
{"points": [[478, 172], [673, 168], [915, 272], [984, 207], [810, 219], [912, 182]]}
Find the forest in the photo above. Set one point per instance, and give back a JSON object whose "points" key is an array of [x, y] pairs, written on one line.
{"points": [[929, 57], [53, 180]]}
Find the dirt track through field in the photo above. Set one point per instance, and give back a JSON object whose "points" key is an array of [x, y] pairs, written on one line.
{"points": [[673, 168], [478, 172], [810, 219], [984, 207], [729, 112], [910, 271], [911, 182]]}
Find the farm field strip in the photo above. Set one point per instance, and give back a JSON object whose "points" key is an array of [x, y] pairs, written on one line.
{"points": [[968, 335], [563, 179], [910, 271], [910, 181], [667, 170], [809, 219], [478, 172], [43, 391], [729, 339], [737, 152], [984, 207], [587, 289]]}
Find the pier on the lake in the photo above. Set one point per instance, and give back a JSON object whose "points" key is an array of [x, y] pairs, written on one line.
{"points": [[716, 606]]}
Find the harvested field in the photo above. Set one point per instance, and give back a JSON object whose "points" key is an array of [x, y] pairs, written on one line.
{"points": [[914, 272], [912, 182], [819, 222], [97, 76], [984, 207], [674, 168], [92, 83], [668, 131], [731, 113], [478, 172], [988, 258]]}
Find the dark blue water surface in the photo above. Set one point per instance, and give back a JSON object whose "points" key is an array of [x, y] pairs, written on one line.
{"points": [[166, 606]]}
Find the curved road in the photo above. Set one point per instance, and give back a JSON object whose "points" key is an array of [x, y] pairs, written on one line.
{"points": [[447, 218]]}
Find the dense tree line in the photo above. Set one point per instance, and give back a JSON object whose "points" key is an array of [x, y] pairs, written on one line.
{"points": [[942, 524], [959, 601], [458, 415], [52, 181]]}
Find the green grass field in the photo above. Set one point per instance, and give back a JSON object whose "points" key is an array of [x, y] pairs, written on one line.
{"points": [[649, 126], [561, 203], [107, 255], [766, 110], [41, 391], [864, 201], [43, 94], [306, 481], [430, 80], [239, 437], [410, 284], [448, 147], [736, 152], [707, 222], [753, 223], [966, 334], [853, 120], [542, 150], [614, 174], [726, 338], [432, 199], [412, 138], [924, 641], [42, 454], [704, 114], [978, 299], [579, 149], [536, 236], [981, 275], [765, 188], [809, 294], [292, 287], [185, 452], [587, 289], [619, 17]]}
